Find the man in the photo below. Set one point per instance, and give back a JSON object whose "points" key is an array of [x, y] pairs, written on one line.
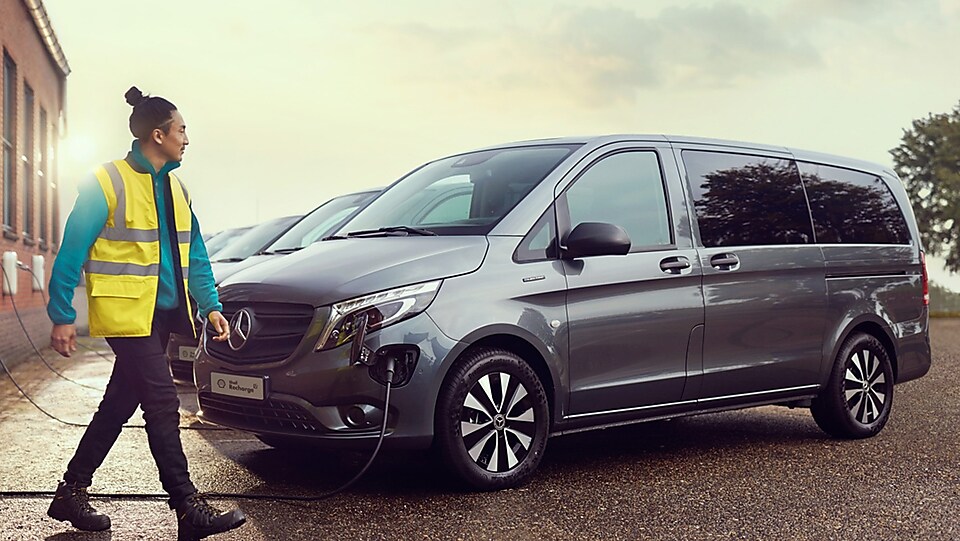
{"points": [[134, 234]]}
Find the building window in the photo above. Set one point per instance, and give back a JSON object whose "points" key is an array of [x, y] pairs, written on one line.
{"points": [[29, 161], [9, 139], [42, 174], [54, 189]]}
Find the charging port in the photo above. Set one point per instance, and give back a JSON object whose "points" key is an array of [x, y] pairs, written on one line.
{"points": [[405, 357]]}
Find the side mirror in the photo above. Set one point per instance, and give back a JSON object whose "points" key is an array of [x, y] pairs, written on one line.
{"points": [[596, 238]]}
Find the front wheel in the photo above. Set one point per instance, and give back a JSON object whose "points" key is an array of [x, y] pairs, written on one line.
{"points": [[492, 420], [858, 396]]}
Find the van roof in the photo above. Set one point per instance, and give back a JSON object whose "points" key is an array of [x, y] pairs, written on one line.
{"points": [[799, 154]]}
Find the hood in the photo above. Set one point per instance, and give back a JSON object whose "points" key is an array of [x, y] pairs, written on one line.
{"points": [[335, 270], [225, 269]]}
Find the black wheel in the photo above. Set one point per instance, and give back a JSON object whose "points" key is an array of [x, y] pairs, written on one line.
{"points": [[859, 394], [492, 420]]}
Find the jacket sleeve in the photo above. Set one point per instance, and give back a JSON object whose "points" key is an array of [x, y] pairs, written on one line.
{"points": [[201, 282], [86, 220]]}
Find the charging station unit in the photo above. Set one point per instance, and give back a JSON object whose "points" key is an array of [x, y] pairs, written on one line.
{"points": [[9, 273], [37, 268]]}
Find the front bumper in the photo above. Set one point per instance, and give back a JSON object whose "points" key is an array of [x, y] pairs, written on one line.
{"points": [[181, 352], [322, 397]]}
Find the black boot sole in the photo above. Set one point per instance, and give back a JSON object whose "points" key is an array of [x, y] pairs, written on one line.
{"points": [[58, 514], [193, 535]]}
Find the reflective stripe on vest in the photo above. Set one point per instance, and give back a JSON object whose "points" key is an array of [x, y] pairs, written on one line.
{"points": [[123, 265]]}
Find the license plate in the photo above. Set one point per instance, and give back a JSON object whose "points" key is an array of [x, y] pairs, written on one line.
{"points": [[235, 385], [188, 353]]}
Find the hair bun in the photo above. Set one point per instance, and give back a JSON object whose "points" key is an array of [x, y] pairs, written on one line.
{"points": [[134, 96]]}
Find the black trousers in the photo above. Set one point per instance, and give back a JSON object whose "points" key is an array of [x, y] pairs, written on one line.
{"points": [[140, 378]]}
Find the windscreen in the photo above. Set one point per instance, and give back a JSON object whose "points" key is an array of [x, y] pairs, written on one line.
{"points": [[465, 194], [320, 222], [221, 240], [254, 240]]}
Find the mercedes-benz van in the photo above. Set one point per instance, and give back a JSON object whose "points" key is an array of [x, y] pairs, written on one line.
{"points": [[538, 288]]}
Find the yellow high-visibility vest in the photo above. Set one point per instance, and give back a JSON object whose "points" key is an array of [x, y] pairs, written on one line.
{"points": [[123, 266]]}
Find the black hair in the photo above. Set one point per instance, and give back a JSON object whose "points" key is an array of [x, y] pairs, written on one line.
{"points": [[149, 113]]}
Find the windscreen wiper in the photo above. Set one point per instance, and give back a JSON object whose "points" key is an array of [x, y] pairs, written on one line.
{"points": [[229, 260], [284, 250], [392, 229]]}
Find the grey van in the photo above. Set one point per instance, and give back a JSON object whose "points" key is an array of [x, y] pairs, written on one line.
{"points": [[269, 240], [540, 288]]}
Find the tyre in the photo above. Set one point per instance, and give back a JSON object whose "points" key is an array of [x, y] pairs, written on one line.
{"points": [[858, 396], [492, 420]]}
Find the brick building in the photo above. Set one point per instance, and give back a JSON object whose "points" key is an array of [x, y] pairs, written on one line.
{"points": [[33, 72]]}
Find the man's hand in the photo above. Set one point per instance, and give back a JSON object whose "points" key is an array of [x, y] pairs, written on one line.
{"points": [[220, 324], [63, 338]]}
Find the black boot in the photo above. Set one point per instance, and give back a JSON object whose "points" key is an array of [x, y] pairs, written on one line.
{"points": [[197, 519], [72, 503]]}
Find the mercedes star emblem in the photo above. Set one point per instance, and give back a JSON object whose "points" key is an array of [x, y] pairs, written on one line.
{"points": [[241, 328]]}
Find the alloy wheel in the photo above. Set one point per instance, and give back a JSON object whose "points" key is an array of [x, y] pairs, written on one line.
{"points": [[865, 387], [498, 422]]}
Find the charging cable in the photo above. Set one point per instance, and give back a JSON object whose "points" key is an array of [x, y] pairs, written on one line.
{"points": [[54, 370], [32, 344], [390, 371]]}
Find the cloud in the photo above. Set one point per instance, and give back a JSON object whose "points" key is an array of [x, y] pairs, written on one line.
{"points": [[601, 56]]}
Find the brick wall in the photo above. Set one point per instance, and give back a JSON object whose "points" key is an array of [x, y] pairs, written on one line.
{"points": [[20, 40]]}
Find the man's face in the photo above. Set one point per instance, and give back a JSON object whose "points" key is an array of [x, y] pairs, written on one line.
{"points": [[175, 141]]}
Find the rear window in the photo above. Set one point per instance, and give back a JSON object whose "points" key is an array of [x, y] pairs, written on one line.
{"points": [[743, 200], [851, 207]]}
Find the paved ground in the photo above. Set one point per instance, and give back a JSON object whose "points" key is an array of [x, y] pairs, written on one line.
{"points": [[765, 473]]}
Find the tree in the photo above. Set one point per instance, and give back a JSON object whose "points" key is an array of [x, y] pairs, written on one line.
{"points": [[928, 161]]}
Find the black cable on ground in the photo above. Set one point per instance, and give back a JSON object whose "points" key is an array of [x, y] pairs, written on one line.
{"points": [[50, 415], [237, 496], [221, 495], [6, 370], [32, 344]]}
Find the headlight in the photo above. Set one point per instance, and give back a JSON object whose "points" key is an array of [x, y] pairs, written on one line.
{"points": [[382, 309]]}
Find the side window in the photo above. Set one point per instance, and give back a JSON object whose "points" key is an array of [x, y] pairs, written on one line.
{"points": [[624, 189], [541, 242], [743, 200], [850, 207]]}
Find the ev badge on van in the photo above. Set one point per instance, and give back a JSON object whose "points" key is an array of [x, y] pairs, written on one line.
{"points": [[241, 328]]}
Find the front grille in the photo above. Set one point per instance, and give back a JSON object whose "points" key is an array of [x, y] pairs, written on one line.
{"points": [[278, 330], [274, 415]]}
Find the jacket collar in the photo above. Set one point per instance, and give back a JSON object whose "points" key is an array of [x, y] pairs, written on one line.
{"points": [[139, 163]]}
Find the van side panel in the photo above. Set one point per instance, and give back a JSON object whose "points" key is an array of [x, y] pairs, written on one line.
{"points": [[884, 282]]}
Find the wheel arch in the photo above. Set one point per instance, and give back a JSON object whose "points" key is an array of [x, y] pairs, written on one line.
{"points": [[873, 326], [518, 341]]}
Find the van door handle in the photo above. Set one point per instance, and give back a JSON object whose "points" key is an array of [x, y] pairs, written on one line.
{"points": [[725, 262], [674, 265]]}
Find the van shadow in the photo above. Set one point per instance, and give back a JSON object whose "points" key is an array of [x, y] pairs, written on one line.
{"points": [[420, 474]]}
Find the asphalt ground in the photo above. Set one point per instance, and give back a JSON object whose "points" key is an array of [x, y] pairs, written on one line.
{"points": [[763, 473]]}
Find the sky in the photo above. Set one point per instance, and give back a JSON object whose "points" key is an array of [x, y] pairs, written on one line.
{"points": [[289, 103]]}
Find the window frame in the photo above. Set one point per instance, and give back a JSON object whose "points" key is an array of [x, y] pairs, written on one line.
{"points": [[564, 226], [8, 147], [29, 159], [43, 161]]}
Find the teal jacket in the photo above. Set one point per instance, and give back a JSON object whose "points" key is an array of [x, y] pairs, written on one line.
{"points": [[87, 219]]}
